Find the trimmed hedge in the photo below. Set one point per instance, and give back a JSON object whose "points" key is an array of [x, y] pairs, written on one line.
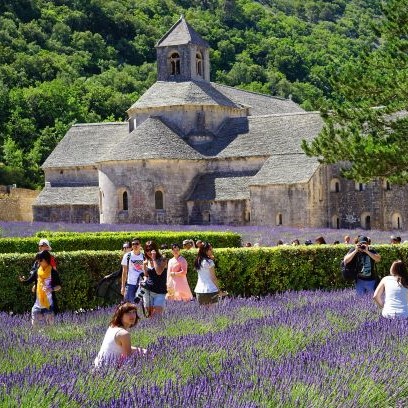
{"points": [[111, 241], [241, 271]]}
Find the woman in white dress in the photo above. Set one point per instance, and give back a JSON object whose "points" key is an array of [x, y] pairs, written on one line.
{"points": [[207, 288], [116, 345], [395, 286]]}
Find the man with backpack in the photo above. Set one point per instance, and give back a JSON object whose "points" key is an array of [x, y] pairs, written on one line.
{"points": [[132, 268], [363, 259]]}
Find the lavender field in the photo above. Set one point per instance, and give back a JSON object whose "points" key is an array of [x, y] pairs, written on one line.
{"points": [[295, 349], [264, 236]]}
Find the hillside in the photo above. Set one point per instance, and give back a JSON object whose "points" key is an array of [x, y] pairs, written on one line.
{"points": [[69, 61]]}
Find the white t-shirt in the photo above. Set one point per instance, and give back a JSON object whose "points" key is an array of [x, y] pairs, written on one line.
{"points": [[110, 351], [396, 298], [205, 283], [135, 266]]}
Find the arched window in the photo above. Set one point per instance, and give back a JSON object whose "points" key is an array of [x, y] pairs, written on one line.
{"points": [[396, 220], [360, 186], [279, 219], [335, 185], [100, 202], [206, 217], [387, 185], [368, 222], [199, 64], [158, 200], [125, 202], [365, 221], [335, 222], [175, 63]]}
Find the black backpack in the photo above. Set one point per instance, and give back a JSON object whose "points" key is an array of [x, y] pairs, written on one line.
{"points": [[108, 288], [350, 270]]}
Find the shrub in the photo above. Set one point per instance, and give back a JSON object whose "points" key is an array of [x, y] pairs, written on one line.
{"points": [[110, 241], [241, 271]]}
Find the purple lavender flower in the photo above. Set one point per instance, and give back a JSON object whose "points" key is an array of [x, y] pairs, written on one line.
{"points": [[307, 348]]}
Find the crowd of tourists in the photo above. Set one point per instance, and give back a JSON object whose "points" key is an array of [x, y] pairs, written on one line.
{"points": [[320, 240], [149, 279]]}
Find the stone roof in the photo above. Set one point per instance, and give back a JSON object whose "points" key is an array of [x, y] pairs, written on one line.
{"points": [[259, 104], [88, 144], [274, 134], [151, 140], [84, 143], [286, 169], [222, 186], [168, 93], [68, 196], [181, 33], [163, 93]]}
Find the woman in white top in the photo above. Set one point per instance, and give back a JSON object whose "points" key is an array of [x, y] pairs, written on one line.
{"points": [[116, 345], [207, 284], [395, 286]]}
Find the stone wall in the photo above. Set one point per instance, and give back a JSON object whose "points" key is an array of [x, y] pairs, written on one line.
{"points": [[185, 117], [174, 178], [67, 213], [16, 204], [280, 204], [229, 212], [385, 205], [187, 54], [75, 176]]}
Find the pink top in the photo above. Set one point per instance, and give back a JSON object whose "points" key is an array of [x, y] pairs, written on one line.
{"points": [[177, 285]]}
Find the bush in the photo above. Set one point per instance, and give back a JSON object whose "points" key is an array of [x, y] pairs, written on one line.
{"points": [[241, 271], [110, 241]]}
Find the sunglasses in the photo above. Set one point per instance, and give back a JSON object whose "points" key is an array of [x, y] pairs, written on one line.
{"points": [[135, 243]]}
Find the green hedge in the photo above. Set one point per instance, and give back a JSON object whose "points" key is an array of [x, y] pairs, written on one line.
{"points": [[110, 241], [241, 271]]}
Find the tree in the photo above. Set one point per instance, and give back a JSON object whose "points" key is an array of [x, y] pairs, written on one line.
{"points": [[13, 156], [367, 127]]}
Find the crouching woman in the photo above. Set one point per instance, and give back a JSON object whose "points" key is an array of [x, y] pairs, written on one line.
{"points": [[395, 288], [47, 282], [116, 346]]}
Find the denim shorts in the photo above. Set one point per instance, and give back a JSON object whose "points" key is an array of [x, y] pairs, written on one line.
{"points": [[36, 310], [152, 299], [130, 293]]}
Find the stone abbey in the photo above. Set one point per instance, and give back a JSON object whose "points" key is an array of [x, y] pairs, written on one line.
{"points": [[197, 152]]}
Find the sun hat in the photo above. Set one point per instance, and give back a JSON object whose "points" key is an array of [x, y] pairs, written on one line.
{"points": [[44, 241]]}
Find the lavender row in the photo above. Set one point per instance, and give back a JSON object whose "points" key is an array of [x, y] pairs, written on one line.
{"points": [[262, 235], [320, 349]]}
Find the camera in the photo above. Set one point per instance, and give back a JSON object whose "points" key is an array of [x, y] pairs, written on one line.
{"points": [[363, 247], [140, 290], [139, 294]]}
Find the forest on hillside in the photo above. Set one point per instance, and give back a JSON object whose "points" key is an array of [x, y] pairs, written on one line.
{"points": [[67, 61]]}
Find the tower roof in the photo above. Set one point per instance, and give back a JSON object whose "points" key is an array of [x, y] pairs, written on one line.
{"points": [[181, 33]]}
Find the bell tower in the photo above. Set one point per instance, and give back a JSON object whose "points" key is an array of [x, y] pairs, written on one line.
{"points": [[182, 55]]}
